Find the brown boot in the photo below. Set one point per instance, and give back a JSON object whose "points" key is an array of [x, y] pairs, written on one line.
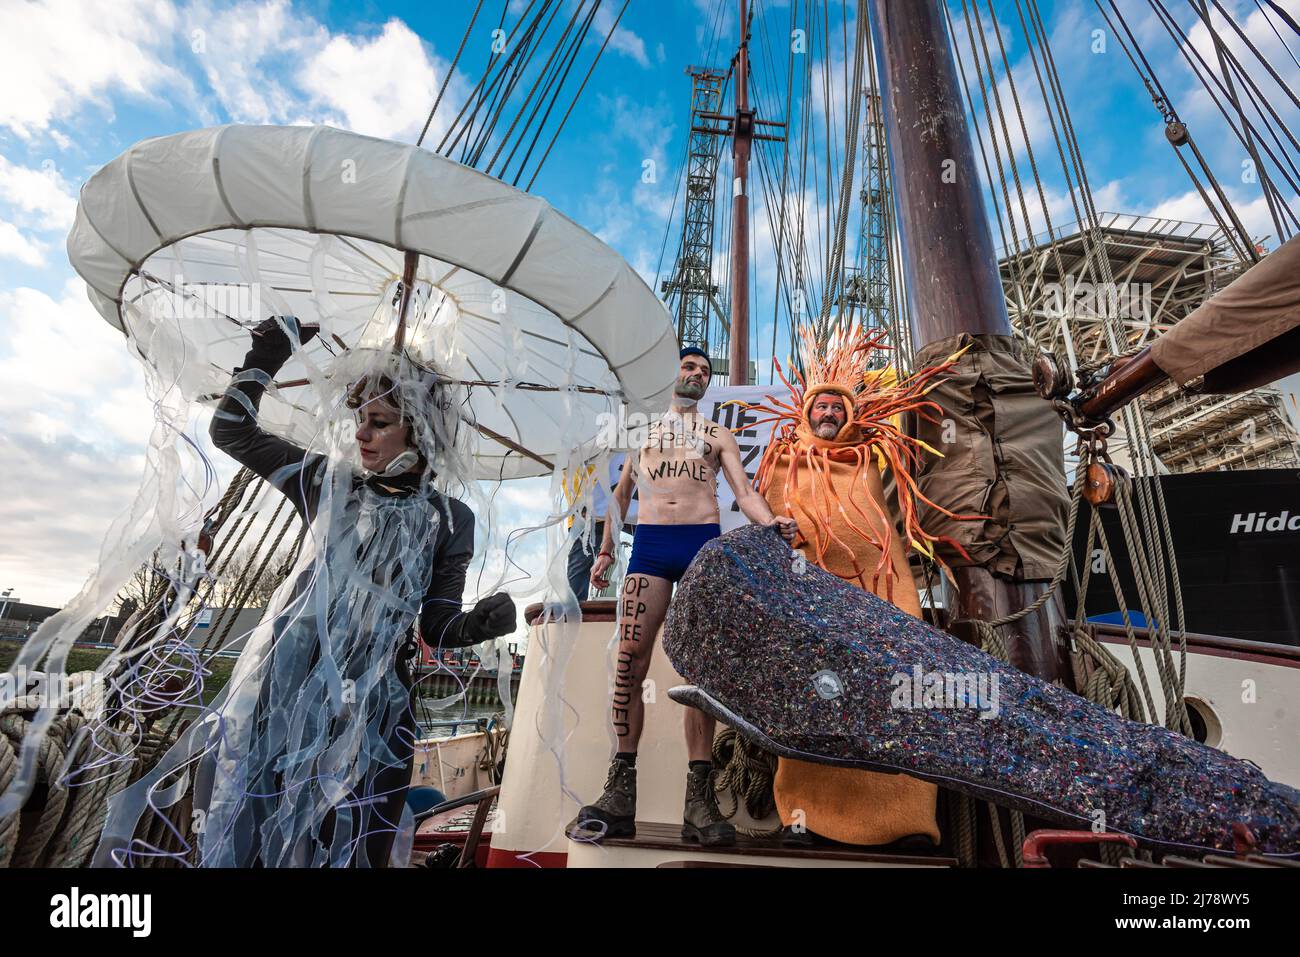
{"points": [[614, 813], [702, 821]]}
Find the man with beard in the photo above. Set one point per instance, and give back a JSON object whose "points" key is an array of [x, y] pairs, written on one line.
{"points": [[675, 472], [821, 469]]}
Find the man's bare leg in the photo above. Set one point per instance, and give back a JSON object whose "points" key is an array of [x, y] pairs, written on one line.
{"points": [[699, 734], [641, 610], [702, 821]]}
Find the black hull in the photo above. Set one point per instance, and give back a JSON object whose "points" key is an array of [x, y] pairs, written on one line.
{"points": [[1237, 538]]}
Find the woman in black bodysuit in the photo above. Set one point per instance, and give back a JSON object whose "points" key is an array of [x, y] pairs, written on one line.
{"points": [[315, 754]]}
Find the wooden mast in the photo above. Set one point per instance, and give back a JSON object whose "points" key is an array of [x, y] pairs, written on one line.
{"points": [[742, 135], [410, 263], [952, 270]]}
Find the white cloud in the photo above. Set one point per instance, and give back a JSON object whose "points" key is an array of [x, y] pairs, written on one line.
{"points": [[67, 363], [266, 63], [15, 245], [59, 55], [41, 193], [1110, 198], [73, 424], [623, 41], [382, 86], [241, 50], [1252, 210]]}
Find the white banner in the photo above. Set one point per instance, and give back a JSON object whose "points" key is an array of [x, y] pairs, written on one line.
{"points": [[752, 440]]}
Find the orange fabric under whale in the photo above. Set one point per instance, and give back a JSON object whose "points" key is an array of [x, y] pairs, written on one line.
{"points": [[845, 804]]}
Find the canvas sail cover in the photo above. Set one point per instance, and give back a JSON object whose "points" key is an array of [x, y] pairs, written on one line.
{"points": [[1003, 458]]}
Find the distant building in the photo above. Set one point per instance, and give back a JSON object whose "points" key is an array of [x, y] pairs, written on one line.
{"points": [[234, 625], [18, 620]]}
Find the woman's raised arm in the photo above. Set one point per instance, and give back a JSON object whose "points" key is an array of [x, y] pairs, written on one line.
{"points": [[234, 427]]}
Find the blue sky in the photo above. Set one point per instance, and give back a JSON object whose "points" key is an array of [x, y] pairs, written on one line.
{"points": [[84, 80]]}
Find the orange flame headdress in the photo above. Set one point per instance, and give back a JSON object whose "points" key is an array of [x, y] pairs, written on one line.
{"points": [[873, 406]]}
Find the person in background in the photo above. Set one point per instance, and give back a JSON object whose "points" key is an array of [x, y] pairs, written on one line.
{"points": [[582, 553]]}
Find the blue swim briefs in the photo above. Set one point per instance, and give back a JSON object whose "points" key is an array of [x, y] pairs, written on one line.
{"points": [[665, 551]]}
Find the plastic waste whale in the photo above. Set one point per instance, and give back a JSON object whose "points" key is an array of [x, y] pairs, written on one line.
{"points": [[811, 668]]}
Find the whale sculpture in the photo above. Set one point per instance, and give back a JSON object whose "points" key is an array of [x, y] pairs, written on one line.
{"points": [[808, 667]]}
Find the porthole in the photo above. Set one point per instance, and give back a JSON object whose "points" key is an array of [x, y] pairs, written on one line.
{"points": [[1206, 726]]}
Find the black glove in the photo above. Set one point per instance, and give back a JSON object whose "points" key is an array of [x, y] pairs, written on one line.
{"points": [[493, 617], [272, 345]]}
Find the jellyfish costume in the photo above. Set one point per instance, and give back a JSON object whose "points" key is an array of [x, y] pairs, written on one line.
{"points": [[306, 759], [408, 262]]}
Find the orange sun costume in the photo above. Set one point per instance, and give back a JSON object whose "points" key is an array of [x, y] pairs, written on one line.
{"points": [[833, 490]]}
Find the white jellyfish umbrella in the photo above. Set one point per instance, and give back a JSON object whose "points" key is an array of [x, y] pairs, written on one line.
{"points": [[215, 229]]}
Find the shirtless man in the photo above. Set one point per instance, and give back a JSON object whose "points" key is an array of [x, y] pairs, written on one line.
{"points": [[675, 472]]}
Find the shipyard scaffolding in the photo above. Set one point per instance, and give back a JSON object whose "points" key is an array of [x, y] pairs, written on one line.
{"points": [[691, 287], [1163, 270], [871, 286]]}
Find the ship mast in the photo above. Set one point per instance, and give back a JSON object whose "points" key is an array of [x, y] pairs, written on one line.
{"points": [[740, 126], [742, 133], [953, 274]]}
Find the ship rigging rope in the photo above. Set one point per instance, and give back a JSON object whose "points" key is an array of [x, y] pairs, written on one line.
{"points": [[747, 773], [67, 826], [1110, 684], [31, 840], [1276, 205], [835, 262], [1152, 84], [451, 70], [803, 269], [1154, 511], [1226, 88], [781, 279], [463, 124], [778, 223], [473, 154], [1258, 99], [561, 74], [8, 825], [499, 91], [241, 591], [1294, 26], [1237, 233], [537, 169], [991, 638], [474, 126], [137, 634]]}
